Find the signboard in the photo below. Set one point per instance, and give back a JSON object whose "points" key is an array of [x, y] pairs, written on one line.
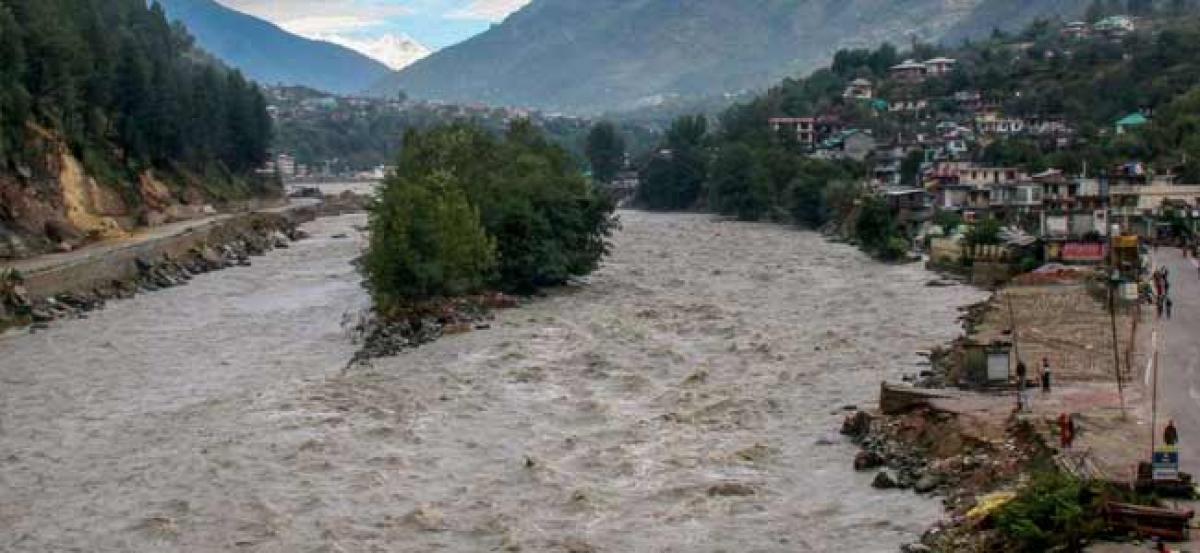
{"points": [[1056, 224], [1166, 463], [1083, 251], [997, 366], [1130, 241]]}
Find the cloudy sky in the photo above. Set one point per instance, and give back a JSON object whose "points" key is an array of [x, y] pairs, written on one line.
{"points": [[433, 23]]}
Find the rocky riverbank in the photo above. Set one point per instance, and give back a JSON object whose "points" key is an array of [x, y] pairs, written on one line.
{"points": [[227, 246], [387, 336], [958, 457]]}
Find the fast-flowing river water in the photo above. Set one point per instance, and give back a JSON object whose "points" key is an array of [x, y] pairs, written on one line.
{"points": [[682, 399]]}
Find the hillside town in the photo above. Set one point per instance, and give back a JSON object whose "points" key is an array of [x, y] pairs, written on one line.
{"points": [[931, 158], [324, 137]]}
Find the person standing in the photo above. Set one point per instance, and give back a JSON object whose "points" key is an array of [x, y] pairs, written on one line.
{"points": [[1170, 434], [1167, 303], [1065, 430], [1045, 375]]}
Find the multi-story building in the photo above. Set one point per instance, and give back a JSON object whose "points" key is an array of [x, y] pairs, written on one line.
{"points": [[939, 66], [802, 129]]}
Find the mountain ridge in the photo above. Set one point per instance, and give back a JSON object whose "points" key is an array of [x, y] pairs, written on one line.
{"points": [[595, 55], [271, 55]]}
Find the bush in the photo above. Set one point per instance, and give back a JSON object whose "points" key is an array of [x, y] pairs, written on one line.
{"points": [[948, 221], [895, 248], [984, 233], [1054, 512]]}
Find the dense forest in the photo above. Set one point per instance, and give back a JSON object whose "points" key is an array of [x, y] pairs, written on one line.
{"points": [[127, 92]]}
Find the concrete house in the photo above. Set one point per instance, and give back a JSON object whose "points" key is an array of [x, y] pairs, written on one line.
{"points": [[802, 129], [859, 89], [910, 71], [939, 66]]}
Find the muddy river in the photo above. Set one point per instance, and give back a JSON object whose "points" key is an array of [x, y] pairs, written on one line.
{"points": [[683, 399]]}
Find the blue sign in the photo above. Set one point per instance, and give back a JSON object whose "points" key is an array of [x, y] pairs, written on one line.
{"points": [[1166, 463]]}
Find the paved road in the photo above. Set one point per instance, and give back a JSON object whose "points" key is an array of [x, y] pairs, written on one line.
{"points": [[1179, 358]]}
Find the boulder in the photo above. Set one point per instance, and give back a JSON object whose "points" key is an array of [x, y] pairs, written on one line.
{"points": [[927, 483], [883, 481], [867, 460], [731, 489], [857, 425]]}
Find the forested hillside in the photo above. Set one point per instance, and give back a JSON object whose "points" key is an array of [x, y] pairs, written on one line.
{"points": [[110, 117], [593, 55]]}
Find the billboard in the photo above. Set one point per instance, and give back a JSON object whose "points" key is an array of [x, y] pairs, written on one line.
{"points": [[1084, 252]]}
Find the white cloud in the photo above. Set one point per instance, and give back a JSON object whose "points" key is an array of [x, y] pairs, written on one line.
{"points": [[488, 10], [313, 17]]}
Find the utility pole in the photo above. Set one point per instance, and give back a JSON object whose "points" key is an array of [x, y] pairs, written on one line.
{"points": [[1114, 279], [1154, 396]]}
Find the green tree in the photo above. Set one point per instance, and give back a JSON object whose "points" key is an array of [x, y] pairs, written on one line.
{"points": [[910, 168], [426, 241], [545, 220], [605, 151], [738, 186], [875, 225], [984, 233]]}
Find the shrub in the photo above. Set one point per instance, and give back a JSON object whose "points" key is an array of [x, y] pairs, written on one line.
{"points": [[985, 232], [1054, 511]]}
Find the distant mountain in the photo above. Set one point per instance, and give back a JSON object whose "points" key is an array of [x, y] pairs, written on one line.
{"points": [[395, 51], [591, 55], [271, 55]]}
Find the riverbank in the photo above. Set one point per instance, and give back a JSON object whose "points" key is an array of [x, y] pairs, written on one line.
{"points": [[68, 285], [969, 436]]}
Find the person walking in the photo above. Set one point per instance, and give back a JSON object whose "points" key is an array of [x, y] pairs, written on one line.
{"points": [[1045, 375], [1170, 434]]}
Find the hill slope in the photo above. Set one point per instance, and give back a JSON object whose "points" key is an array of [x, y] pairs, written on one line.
{"points": [[271, 55], [586, 55]]}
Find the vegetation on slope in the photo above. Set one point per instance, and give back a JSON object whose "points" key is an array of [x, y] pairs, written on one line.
{"points": [[127, 92]]}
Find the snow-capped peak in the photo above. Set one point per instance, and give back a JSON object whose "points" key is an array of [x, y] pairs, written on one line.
{"points": [[394, 51]]}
